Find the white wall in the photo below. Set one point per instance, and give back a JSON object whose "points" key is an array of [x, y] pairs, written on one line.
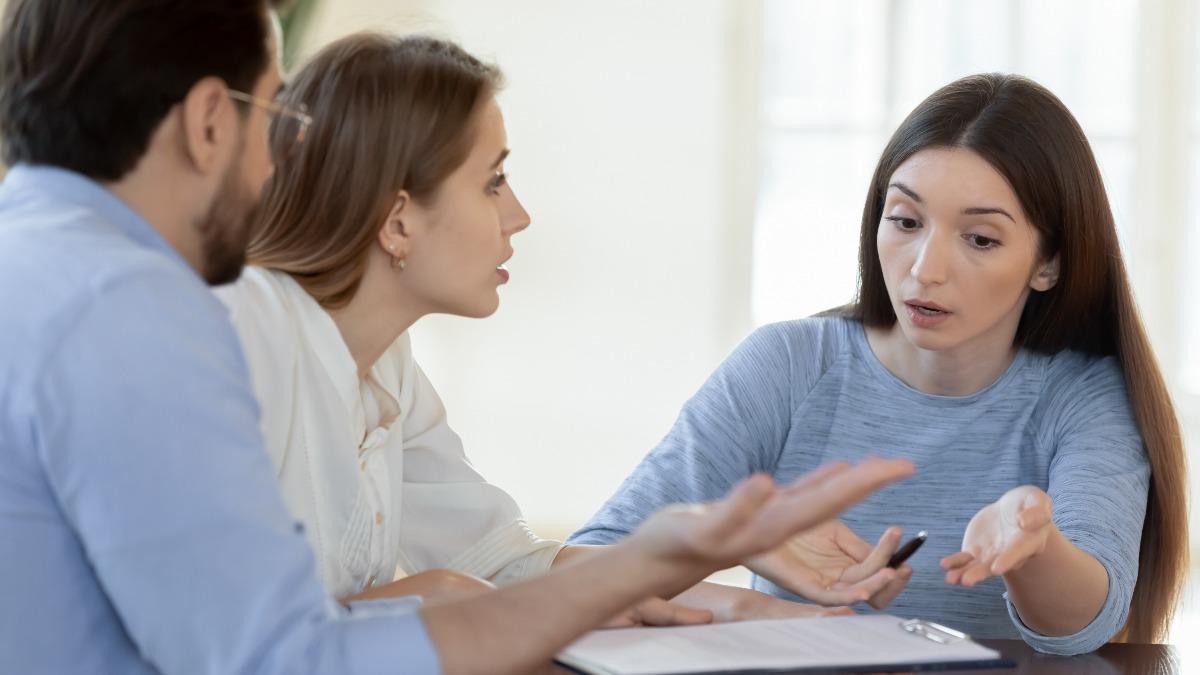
{"points": [[632, 125], [628, 288]]}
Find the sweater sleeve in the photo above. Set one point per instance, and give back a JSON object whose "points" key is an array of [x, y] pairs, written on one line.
{"points": [[1099, 481], [734, 426]]}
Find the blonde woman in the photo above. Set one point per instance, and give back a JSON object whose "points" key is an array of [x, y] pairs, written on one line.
{"points": [[396, 206]]}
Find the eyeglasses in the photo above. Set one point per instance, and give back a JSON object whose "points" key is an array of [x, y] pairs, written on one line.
{"points": [[289, 124]]}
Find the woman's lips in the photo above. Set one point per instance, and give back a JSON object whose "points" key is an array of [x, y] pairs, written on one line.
{"points": [[926, 315]]}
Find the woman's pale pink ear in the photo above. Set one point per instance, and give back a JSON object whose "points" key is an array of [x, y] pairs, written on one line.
{"points": [[393, 235], [1046, 276]]}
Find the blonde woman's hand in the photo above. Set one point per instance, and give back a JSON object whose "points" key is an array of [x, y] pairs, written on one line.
{"points": [[732, 604], [1002, 537], [659, 612], [755, 605], [435, 585], [829, 564]]}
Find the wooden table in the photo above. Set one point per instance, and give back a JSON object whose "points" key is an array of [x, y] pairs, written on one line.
{"points": [[1112, 659], [1115, 659]]}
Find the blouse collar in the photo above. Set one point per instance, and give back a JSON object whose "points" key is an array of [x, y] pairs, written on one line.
{"points": [[321, 333], [325, 339]]}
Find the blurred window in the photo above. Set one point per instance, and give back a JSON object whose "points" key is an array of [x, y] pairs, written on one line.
{"points": [[824, 127]]}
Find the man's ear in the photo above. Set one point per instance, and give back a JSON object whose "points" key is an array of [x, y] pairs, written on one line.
{"points": [[1046, 276], [205, 122], [394, 235]]}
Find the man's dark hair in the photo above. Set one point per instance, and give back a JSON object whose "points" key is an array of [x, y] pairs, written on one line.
{"points": [[84, 83]]}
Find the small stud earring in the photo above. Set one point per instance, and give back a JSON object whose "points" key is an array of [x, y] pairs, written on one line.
{"points": [[397, 261]]}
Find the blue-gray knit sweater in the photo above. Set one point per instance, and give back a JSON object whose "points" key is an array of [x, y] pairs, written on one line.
{"points": [[800, 393]]}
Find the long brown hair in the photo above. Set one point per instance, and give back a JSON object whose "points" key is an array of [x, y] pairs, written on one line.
{"points": [[1031, 138], [389, 113]]}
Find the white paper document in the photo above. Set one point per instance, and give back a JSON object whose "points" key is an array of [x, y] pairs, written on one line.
{"points": [[830, 642]]}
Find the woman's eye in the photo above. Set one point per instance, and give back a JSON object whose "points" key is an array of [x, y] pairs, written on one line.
{"points": [[495, 184], [982, 242], [905, 224]]}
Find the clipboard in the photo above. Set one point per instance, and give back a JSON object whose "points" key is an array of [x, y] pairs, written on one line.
{"points": [[844, 644]]}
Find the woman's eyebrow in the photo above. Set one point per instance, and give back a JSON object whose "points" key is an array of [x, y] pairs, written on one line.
{"points": [[972, 211], [985, 210], [908, 191]]}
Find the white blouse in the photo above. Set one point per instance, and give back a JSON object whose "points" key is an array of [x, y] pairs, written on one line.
{"points": [[370, 466]]}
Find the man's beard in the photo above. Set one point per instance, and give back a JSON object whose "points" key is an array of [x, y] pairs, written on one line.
{"points": [[226, 229]]}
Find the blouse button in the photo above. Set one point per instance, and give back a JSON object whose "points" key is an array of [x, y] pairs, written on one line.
{"points": [[378, 518]]}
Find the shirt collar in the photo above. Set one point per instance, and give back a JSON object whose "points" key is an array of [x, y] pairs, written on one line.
{"points": [[324, 337], [63, 186]]}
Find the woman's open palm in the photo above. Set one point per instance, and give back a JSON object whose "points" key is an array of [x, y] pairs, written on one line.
{"points": [[831, 565], [1002, 536]]}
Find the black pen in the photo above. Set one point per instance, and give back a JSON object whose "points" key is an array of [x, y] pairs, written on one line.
{"points": [[905, 552]]}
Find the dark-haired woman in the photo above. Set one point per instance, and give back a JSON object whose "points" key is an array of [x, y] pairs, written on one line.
{"points": [[396, 206], [996, 344]]}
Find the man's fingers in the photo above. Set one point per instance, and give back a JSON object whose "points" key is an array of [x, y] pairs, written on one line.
{"points": [[873, 473], [807, 508], [816, 477], [740, 508], [749, 524], [853, 545]]}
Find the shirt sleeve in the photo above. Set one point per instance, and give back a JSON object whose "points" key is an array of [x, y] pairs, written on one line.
{"points": [[452, 517], [735, 425], [1099, 482], [147, 432]]}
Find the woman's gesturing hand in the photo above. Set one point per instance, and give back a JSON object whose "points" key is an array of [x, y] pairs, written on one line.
{"points": [[1002, 536], [759, 516], [831, 565]]}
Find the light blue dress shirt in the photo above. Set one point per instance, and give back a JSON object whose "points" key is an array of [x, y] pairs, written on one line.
{"points": [[141, 529]]}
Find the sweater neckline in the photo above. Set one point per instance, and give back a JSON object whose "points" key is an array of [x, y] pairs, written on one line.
{"points": [[858, 335]]}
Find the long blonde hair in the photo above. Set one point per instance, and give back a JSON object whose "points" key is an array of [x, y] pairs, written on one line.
{"points": [[389, 113]]}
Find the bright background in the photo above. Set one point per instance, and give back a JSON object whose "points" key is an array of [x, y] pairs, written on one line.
{"points": [[695, 168]]}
